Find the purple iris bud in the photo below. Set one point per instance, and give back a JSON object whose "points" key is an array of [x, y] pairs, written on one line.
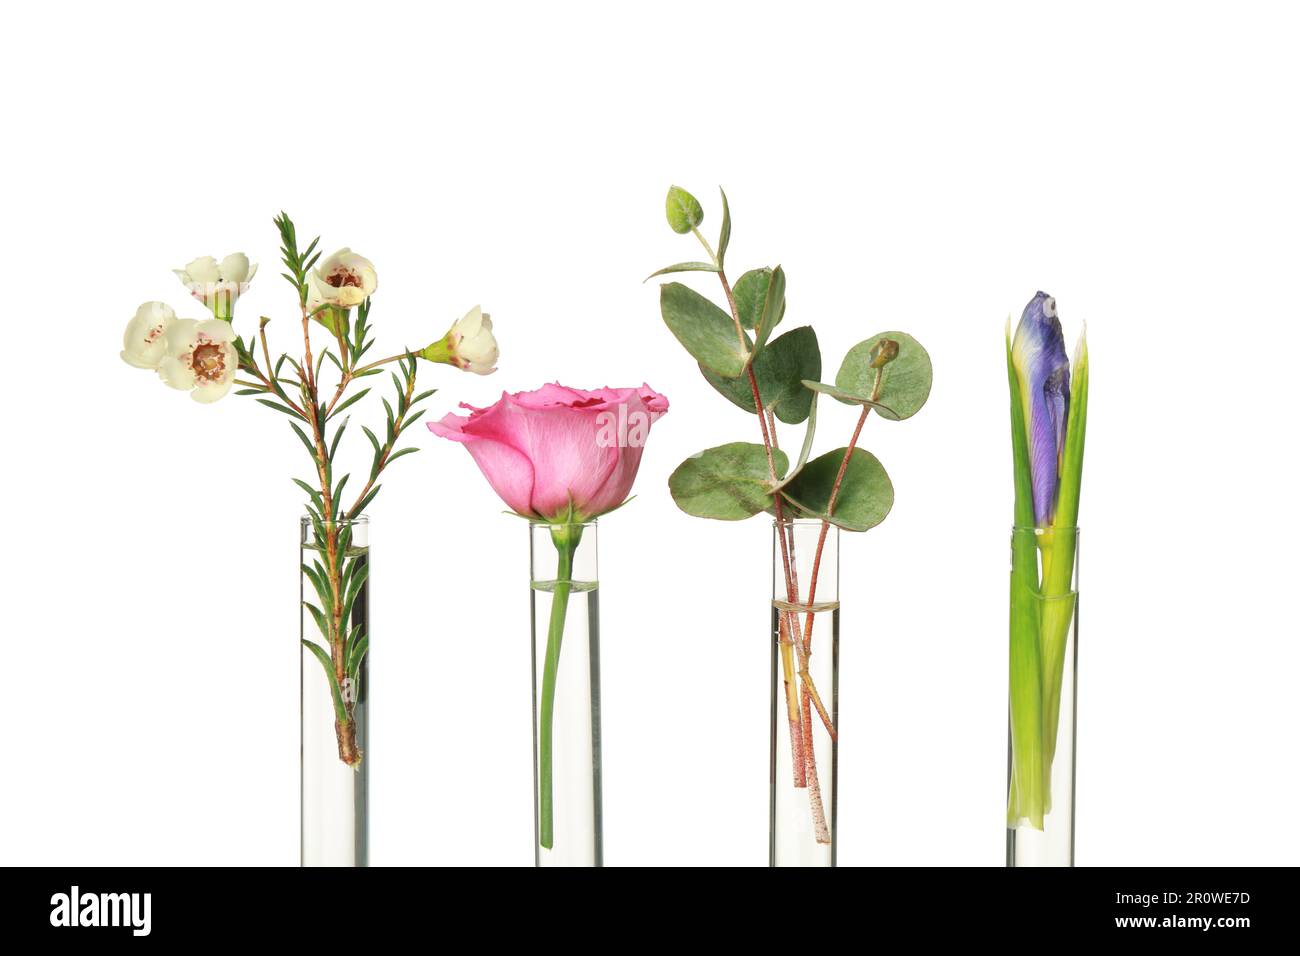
{"points": [[1038, 354]]}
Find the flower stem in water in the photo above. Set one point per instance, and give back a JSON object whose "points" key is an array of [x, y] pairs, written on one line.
{"points": [[565, 538]]}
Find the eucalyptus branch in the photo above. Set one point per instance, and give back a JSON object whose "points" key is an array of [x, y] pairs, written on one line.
{"points": [[769, 442], [792, 596], [736, 480], [788, 621]]}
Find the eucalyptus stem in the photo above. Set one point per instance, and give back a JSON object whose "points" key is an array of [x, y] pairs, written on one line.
{"points": [[713, 257], [803, 756], [821, 544], [807, 693], [791, 633], [830, 509], [803, 759], [821, 831]]}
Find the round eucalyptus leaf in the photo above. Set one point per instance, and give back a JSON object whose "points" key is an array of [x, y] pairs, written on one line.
{"points": [[730, 482], [750, 293], [779, 370], [735, 390], [866, 494], [703, 329], [904, 382]]}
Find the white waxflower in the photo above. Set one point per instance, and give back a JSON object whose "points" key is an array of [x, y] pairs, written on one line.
{"points": [[200, 358], [218, 285], [143, 344], [236, 268], [343, 280], [469, 344], [474, 345]]}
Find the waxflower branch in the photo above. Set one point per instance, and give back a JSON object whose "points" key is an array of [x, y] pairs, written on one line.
{"points": [[778, 379], [205, 357]]}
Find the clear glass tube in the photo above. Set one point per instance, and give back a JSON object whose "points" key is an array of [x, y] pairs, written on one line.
{"points": [[1043, 685], [335, 691], [805, 693], [566, 694]]}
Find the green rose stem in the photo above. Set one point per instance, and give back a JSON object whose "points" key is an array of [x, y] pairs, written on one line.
{"points": [[565, 537]]}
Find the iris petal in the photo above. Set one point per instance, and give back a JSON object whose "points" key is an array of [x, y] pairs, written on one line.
{"points": [[1038, 353]]}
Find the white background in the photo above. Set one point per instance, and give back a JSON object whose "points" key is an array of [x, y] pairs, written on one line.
{"points": [[924, 167]]}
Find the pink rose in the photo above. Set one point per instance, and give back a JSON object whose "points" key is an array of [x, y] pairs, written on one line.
{"points": [[543, 449]]}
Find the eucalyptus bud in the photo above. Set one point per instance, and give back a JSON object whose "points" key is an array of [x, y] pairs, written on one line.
{"points": [[684, 210], [882, 353]]}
